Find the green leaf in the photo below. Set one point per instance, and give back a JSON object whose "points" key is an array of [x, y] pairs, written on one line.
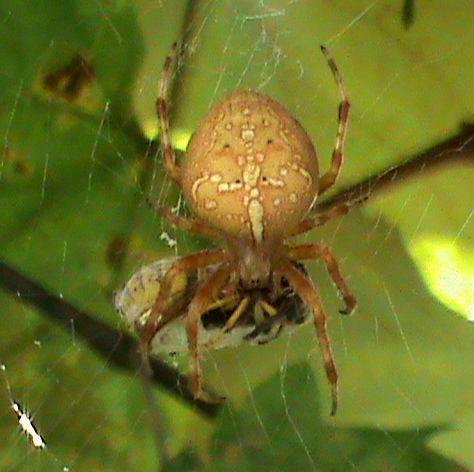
{"points": [[278, 427], [78, 84]]}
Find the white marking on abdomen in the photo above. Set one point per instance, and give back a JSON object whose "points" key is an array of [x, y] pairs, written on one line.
{"points": [[197, 183], [255, 211]]}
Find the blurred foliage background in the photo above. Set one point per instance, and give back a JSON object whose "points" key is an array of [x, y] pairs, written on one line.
{"points": [[78, 82]]}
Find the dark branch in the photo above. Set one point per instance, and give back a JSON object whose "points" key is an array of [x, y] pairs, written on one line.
{"points": [[458, 150], [120, 349]]}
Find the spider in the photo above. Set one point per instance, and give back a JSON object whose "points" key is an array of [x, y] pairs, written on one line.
{"points": [[250, 176]]}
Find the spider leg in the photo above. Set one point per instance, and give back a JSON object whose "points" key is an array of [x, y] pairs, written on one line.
{"points": [[320, 251], [199, 305], [159, 314], [328, 179], [308, 293], [169, 156], [320, 219], [188, 224]]}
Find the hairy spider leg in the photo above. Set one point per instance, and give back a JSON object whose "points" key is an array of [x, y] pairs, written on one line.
{"points": [[319, 219], [322, 252], [313, 221], [169, 156], [328, 179], [198, 306], [309, 294], [158, 316], [188, 224]]}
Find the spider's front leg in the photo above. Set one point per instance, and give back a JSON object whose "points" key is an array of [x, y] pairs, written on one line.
{"points": [[199, 305], [164, 307], [169, 156], [308, 293], [329, 178]]}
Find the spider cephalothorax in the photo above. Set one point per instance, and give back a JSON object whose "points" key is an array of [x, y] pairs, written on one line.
{"points": [[250, 177]]}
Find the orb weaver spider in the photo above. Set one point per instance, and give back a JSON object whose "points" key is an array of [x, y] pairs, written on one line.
{"points": [[250, 176]]}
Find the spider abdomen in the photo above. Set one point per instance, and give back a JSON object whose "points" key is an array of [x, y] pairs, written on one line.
{"points": [[251, 170]]}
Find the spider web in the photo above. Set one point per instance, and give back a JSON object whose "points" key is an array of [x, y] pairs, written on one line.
{"points": [[78, 89]]}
